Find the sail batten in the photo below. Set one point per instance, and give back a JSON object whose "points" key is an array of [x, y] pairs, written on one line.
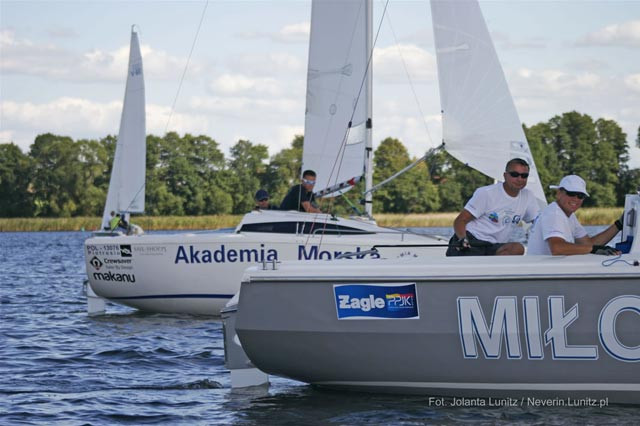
{"points": [[127, 183]]}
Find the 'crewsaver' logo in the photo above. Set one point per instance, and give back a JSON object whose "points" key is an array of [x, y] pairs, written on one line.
{"points": [[371, 301], [95, 262]]}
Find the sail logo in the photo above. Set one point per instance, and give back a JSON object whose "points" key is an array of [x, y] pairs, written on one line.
{"points": [[504, 334], [136, 69], [376, 301]]}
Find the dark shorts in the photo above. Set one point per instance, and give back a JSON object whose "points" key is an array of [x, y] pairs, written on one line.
{"points": [[478, 247]]}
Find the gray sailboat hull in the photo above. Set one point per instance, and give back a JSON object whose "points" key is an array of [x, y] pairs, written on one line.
{"points": [[527, 327]]}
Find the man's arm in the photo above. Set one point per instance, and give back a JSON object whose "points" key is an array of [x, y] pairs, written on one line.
{"points": [[583, 245], [460, 223], [560, 247], [605, 236], [306, 205]]}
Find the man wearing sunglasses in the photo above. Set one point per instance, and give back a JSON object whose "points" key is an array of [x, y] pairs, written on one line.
{"points": [[557, 230], [262, 200], [485, 225], [300, 197]]}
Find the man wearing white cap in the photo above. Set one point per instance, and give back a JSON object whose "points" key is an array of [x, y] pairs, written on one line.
{"points": [[557, 230]]}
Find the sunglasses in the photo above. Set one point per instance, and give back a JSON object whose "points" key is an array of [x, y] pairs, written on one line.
{"points": [[264, 199], [516, 174], [580, 195], [309, 182]]}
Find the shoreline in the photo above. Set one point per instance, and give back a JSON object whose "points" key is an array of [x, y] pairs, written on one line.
{"points": [[588, 216]]}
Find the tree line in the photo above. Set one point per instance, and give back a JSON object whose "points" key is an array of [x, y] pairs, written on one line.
{"points": [[190, 175]]}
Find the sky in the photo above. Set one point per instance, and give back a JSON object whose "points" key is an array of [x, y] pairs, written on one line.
{"points": [[63, 67]]}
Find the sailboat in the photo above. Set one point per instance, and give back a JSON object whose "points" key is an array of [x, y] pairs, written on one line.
{"points": [[198, 273], [127, 183], [501, 327]]}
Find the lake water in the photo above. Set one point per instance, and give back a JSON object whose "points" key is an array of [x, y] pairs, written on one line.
{"points": [[59, 366]]}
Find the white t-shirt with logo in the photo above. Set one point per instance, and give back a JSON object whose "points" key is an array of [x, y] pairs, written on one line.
{"points": [[498, 213], [553, 222]]}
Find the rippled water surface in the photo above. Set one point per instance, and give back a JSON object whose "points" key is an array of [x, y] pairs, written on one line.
{"points": [[59, 366]]}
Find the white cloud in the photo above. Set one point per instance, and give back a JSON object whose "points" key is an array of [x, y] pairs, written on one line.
{"points": [[276, 65], [633, 82], [626, 34], [292, 33], [553, 81], [22, 56], [390, 64], [228, 84]]}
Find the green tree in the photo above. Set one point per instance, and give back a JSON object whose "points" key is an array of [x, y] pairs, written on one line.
{"points": [[92, 156], [283, 170], [594, 150], [57, 178], [248, 165], [455, 181], [15, 177], [411, 192]]}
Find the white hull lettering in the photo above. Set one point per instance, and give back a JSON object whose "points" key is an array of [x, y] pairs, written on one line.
{"points": [[504, 327]]}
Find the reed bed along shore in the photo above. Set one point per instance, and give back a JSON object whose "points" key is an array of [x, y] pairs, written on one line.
{"points": [[587, 216]]}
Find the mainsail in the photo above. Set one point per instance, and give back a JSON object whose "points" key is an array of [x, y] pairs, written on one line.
{"points": [[338, 93], [480, 123], [127, 183]]}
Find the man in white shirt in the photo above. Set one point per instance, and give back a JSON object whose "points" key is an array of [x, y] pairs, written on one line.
{"points": [[557, 230], [485, 225]]}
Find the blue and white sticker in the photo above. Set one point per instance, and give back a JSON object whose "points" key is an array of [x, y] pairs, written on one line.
{"points": [[373, 301]]}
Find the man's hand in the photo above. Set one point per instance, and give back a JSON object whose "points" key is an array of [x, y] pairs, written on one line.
{"points": [[605, 250], [462, 243]]}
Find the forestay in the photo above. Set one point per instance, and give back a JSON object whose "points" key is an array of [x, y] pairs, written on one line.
{"points": [[337, 83], [481, 126], [127, 183]]}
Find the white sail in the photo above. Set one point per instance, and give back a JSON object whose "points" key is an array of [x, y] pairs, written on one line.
{"points": [[481, 127], [127, 183], [338, 92]]}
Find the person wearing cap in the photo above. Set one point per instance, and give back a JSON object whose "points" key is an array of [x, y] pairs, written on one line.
{"points": [[262, 200], [484, 226], [300, 197], [557, 230]]}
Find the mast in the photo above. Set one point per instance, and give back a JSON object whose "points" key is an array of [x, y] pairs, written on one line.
{"points": [[368, 150]]}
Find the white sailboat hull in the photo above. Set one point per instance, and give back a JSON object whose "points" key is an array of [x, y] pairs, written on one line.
{"points": [[197, 273]]}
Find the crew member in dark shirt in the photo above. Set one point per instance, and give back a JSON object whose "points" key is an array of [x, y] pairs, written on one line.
{"points": [[300, 197], [262, 201]]}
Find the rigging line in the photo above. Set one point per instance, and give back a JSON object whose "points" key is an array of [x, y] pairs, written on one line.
{"points": [[406, 70], [186, 66]]}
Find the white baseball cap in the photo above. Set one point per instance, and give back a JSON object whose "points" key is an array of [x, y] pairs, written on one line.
{"points": [[572, 183]]}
